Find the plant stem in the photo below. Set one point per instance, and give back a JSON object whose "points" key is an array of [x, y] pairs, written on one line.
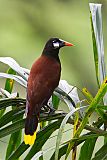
{"points": [[100, 94]]}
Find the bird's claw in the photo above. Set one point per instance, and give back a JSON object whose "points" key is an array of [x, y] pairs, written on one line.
{"points": [[52, 110]]}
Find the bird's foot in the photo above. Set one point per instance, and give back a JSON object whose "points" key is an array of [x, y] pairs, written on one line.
{"points": [[51, 109]]}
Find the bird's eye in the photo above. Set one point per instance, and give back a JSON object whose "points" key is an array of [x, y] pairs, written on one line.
{"points": [[55, 44]]}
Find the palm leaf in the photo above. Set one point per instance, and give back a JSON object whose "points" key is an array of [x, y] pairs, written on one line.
{"points": [[60, 132], [47, 131], [17, 78], [7, 102], [15, 66], [98, 45]]}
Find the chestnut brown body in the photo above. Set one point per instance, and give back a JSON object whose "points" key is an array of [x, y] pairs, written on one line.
{"points": [[43, 79]]}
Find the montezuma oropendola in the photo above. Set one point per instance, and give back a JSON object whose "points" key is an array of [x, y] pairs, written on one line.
{"points": [[43, 79]]}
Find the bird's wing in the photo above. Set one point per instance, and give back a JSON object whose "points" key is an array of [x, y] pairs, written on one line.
{"points": [[44, 78], [39, 91]]}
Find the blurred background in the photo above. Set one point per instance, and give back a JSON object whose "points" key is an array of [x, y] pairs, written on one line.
{"points": [[26, 25]]}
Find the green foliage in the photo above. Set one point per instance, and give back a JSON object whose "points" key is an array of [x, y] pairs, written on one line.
{"points": [[12, 109], [101, 154], [87, 149], [47, 131], [55, 101], [8, 86]]}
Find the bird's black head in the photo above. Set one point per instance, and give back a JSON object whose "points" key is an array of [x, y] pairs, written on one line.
{"points": [[52, 47]]}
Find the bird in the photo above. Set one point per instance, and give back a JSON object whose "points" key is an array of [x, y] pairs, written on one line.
{"points": [[44, 77]]}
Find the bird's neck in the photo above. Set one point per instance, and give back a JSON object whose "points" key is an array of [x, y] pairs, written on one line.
{"points": [[52, 54]]}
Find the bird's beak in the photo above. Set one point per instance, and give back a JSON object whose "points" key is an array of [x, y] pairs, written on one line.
{"points": [[64, 43], [67, 44]]}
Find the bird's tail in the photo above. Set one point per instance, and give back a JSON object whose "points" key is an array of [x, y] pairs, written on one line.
{"points": [[31, 124]]}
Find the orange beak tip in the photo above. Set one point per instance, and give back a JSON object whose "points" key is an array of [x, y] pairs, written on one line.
{"points": [[68, 44]]}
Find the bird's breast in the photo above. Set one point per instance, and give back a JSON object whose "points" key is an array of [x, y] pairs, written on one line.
{"points": [[43, 79], [46, 67]]}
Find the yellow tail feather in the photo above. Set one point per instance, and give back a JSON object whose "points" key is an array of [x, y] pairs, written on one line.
{"points": [[28, 139]]}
